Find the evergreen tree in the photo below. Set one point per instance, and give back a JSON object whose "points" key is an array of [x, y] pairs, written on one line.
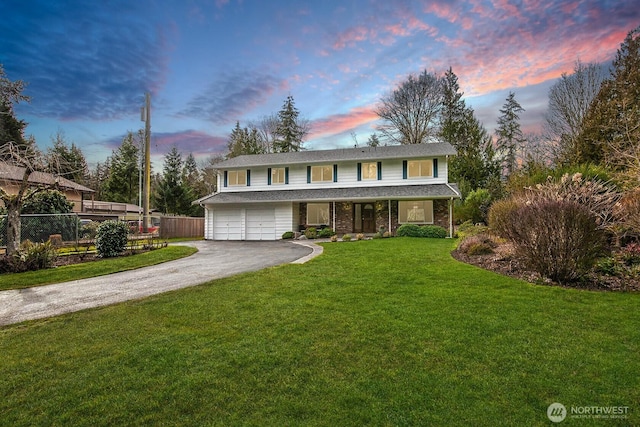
{"points": [[244, 141], [475, 165], [67, 160], [194, 184], [291, 130], [122, 185], [373, 141], [172, 196], [612, 126], [509, 134], [11, 128]]}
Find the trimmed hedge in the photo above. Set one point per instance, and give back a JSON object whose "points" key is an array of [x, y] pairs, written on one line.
{"points": [[413, 230]]}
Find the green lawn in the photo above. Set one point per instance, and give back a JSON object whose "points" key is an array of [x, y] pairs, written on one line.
{"points": [[93, 269], [382, 332]]}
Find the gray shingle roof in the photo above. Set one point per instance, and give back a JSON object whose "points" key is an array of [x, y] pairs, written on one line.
{"points": [[341, 154], [399, 192]]}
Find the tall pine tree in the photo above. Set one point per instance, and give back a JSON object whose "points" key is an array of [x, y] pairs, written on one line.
{"points": [[290, 131], [172, 197], [509, 134], [122, 185]]}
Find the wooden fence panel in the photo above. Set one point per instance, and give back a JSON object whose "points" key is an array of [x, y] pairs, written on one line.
{"points": [[180, 226]]}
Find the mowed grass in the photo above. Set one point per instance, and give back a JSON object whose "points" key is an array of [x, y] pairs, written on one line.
{"points": [[384, 332], [92, 269]]}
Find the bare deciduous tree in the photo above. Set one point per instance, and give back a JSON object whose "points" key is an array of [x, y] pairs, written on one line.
{"points": [[569, 101], [411, 113]]}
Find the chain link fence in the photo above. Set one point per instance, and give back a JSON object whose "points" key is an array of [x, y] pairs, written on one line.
{"points": [[63, 228]]}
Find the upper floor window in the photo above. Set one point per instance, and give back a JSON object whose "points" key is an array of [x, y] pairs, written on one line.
{"points": [[324, 173], [278, 176], [237, 177], [370, 170], [420, 168]]}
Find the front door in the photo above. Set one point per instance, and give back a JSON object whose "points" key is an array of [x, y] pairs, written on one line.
{"points": [[364, 218]]}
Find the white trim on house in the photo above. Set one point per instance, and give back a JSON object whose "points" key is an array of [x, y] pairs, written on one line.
{"points": [[264, 210]]}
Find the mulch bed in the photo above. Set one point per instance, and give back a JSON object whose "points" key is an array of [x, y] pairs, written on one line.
{"points": [[503, 262]]}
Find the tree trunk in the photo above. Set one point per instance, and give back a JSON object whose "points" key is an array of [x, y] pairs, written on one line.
{"points": [[13, 228]]}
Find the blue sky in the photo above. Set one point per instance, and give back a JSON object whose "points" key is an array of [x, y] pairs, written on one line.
{"points": [[208, 64]]}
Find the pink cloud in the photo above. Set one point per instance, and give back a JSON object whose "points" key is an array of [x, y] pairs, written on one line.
{"points": [[339, 123]]}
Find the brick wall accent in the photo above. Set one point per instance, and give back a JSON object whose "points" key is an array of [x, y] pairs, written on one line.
{"points": [[441, 213], [344, 217]]}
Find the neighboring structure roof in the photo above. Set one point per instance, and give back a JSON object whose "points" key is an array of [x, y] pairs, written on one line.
{"points": [[115, 207], [15, 173], [341, 154], [399, 192]]}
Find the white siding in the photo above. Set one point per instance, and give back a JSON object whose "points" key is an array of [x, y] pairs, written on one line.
{"points": [[347, 177]]}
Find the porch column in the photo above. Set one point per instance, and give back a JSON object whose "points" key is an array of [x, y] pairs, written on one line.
{"points": [[389, 209], [451, 217], [334, 217]]}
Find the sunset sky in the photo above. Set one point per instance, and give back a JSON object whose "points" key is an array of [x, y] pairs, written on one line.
{"points": [[208, 64]]}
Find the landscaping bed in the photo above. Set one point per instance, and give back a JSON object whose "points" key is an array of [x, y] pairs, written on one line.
{"points": [[503, 261]]}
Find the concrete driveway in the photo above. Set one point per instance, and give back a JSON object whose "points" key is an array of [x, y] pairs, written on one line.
{"points": [[212, 261]]}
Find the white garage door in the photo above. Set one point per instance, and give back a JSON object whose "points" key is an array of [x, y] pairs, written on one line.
{"points": [[227, 224], [261, 224]]}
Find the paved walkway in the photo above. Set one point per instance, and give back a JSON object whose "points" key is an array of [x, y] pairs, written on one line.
{"points": [[213, 260]]}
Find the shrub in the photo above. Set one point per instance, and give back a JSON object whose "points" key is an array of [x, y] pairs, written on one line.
{"points": [[311, 233], [377, 236], [408, 230], [287, 235], [559, 239], [413, 230], [433, 231], [501, 215], [334, 238], [111, 238], [30, 256], [478, 244], [326, 232], [359, 236], [475, 206], [90, 230], [387, 234], [630, 254], [608, 266], [346, 238]]}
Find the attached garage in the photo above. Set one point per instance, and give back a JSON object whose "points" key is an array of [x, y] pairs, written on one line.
{"points": [[267, 222], [261, 224], [227, 224]]}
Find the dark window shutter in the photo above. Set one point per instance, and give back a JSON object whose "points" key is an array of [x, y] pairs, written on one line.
{"points": [[359, 171], [335, 173], [286, 175], [308, 174], [248, 177], [435, 168], [226, 178], [379, 171], [268, 176], [404, 169]]}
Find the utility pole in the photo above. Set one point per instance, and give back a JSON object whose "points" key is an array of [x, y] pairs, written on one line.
{"points": [[147, 161]]}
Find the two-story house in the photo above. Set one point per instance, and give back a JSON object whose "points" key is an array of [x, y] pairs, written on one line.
{"points": [[352, 190]]}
